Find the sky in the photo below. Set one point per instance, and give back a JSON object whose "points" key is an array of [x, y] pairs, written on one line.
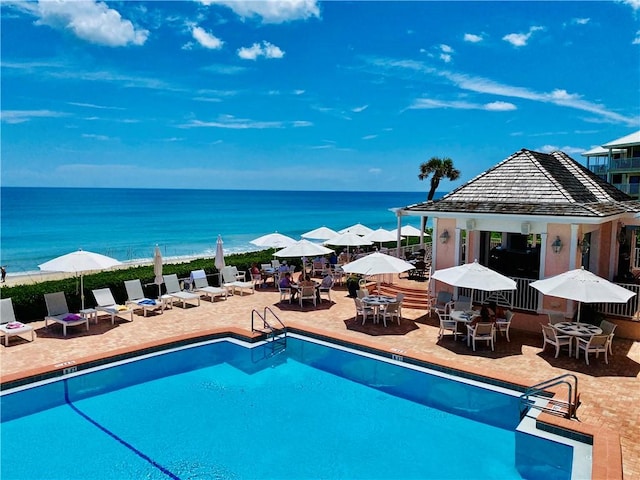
{"points": [[306, 95]]}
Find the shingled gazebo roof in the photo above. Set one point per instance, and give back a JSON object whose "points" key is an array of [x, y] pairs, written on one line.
{"points": [[534, 183]]}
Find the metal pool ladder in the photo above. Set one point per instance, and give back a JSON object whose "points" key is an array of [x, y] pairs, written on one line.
{"points": [[275, 331], [565, 408]]}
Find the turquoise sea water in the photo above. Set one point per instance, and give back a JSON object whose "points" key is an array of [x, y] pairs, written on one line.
{"points": [[39, 224]]}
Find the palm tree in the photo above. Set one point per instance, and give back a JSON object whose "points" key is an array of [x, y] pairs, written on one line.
{"points": [[440, 168]]}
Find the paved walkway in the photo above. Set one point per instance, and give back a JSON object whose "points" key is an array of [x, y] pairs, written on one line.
{"points": [[610, 394]]}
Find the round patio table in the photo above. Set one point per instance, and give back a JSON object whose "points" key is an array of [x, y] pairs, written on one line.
{"points": [[577, 330], [377, 301]]}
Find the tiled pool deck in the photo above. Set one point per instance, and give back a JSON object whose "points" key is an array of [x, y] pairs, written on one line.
{"points": [[610, 394]]}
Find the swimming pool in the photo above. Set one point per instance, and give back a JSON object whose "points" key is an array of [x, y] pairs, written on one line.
{"points": [[225, 409]]}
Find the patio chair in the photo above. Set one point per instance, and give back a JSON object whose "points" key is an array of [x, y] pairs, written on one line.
{"points": [[9, 326], [201, 286], [442, 300], [363, 310], [551, 337], [107, 304], [482, 332], [504, 324], [556, 317], [285, 293], [307, 292], [596, 344], [231, 283], [174, 292], [58, 312], [325, 287], [608, 328], [447, 325], [391, 311], [136, 298]]}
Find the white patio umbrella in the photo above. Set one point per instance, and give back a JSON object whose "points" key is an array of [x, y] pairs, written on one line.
{"points": [[79, 262], [219, 260], [347, 240], [320, 233], [584, 287], [157, 269], [302, 248], [381, 235], [474, 276], [358, 229], [273, 240], [377, 264]]}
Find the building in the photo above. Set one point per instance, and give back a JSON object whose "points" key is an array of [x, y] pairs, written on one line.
{"points": [[618, 162]]}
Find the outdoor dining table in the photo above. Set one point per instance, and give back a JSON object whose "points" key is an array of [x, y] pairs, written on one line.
{"points": [[577, 330], [377, 301], [465, 318]]}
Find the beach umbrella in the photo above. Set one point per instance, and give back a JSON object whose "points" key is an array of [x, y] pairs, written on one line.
{"points": [[377, 264], [273, 240], [474, 276], [79, 262], [219, 261], [408, 231], [303, 248], [347, 239], [381, 235], [321, 233], [358, 229], [584, 287], [157, 269]]}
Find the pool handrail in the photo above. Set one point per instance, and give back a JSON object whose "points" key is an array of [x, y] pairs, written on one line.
{"points": [[557, 406]]}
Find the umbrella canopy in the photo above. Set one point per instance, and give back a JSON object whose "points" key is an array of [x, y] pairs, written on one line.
{"points": [[582, 286], [219, 261], [358, 229], [381, 235], [79, 262], [408, 231], [474, 276], [157, 269], [321, 233], [348, 239], [303, 248], [377, 264], [273, 240]]}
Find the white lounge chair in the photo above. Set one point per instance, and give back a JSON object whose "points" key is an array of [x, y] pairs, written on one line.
{"points": [[9, 326], [174, 292], [107, 304], [137, 299], [201, 286], [232, 284], [58, 312]]}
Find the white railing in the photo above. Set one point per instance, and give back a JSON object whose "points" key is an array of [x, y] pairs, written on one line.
{"points": [[523, 298], [636, 258]]}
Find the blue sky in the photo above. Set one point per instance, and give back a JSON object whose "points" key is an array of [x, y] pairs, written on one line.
{"points": [[306, 95]]}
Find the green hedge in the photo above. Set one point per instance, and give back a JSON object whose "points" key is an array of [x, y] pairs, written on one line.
{"points": [[28, 300]]}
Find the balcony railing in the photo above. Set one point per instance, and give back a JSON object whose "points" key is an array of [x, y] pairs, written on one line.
{"points": [[628, 188], [632, 163]]}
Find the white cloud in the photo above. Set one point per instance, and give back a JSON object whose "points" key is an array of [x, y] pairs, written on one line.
{"points": [[636, 41], [430, 103], [272, 11], [446, 48], [21, 116], [473, 38], [635, 4], [231, 122], [205, 39], [359, 109], [256, 50], [445, 57], [369, 137], [581, 21], [555, 148], [90, 20], [94, 136], [520, 39], [375, 171]]}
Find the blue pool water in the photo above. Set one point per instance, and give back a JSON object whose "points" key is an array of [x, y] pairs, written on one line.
{"points": [[222, 411]]}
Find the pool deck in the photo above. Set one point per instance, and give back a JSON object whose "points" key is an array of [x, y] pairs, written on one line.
{"points": [[609, 394]]}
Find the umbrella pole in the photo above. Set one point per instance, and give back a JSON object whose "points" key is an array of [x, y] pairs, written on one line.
{"points": [[578, 312], [82, 290]]}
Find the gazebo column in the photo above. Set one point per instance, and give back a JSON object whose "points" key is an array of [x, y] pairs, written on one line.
{"points": [[614, 252], [457, 245], [544, 236], [399, 236]]}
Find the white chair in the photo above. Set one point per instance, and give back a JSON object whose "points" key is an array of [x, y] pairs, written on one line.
{"points": [[400, 299], [107, 304], [608, 328], [58, 312], [504, 324], [391, 311], [325, 287], [201, 286], [447, 325], [463, 303], [307, 292], [551, 337], [481, 332], [442, 300], [596, 344], [285, 293], [232, 284], [137, 299], [9, 326], [174, 292], [275, 264], [555, 317], [363, 310]]}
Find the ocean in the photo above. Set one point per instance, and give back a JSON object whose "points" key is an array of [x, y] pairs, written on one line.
{"points": [[39, 224]]}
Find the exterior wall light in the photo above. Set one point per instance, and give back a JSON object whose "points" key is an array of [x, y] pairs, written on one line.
{"points": [[444, 237], [584, 246], [556, 246]]}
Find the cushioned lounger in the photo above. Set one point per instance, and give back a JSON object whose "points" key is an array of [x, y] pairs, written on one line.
{"points": [[107, 304], [58, 312], [202, 287], [137, 300], [175, 293]]}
